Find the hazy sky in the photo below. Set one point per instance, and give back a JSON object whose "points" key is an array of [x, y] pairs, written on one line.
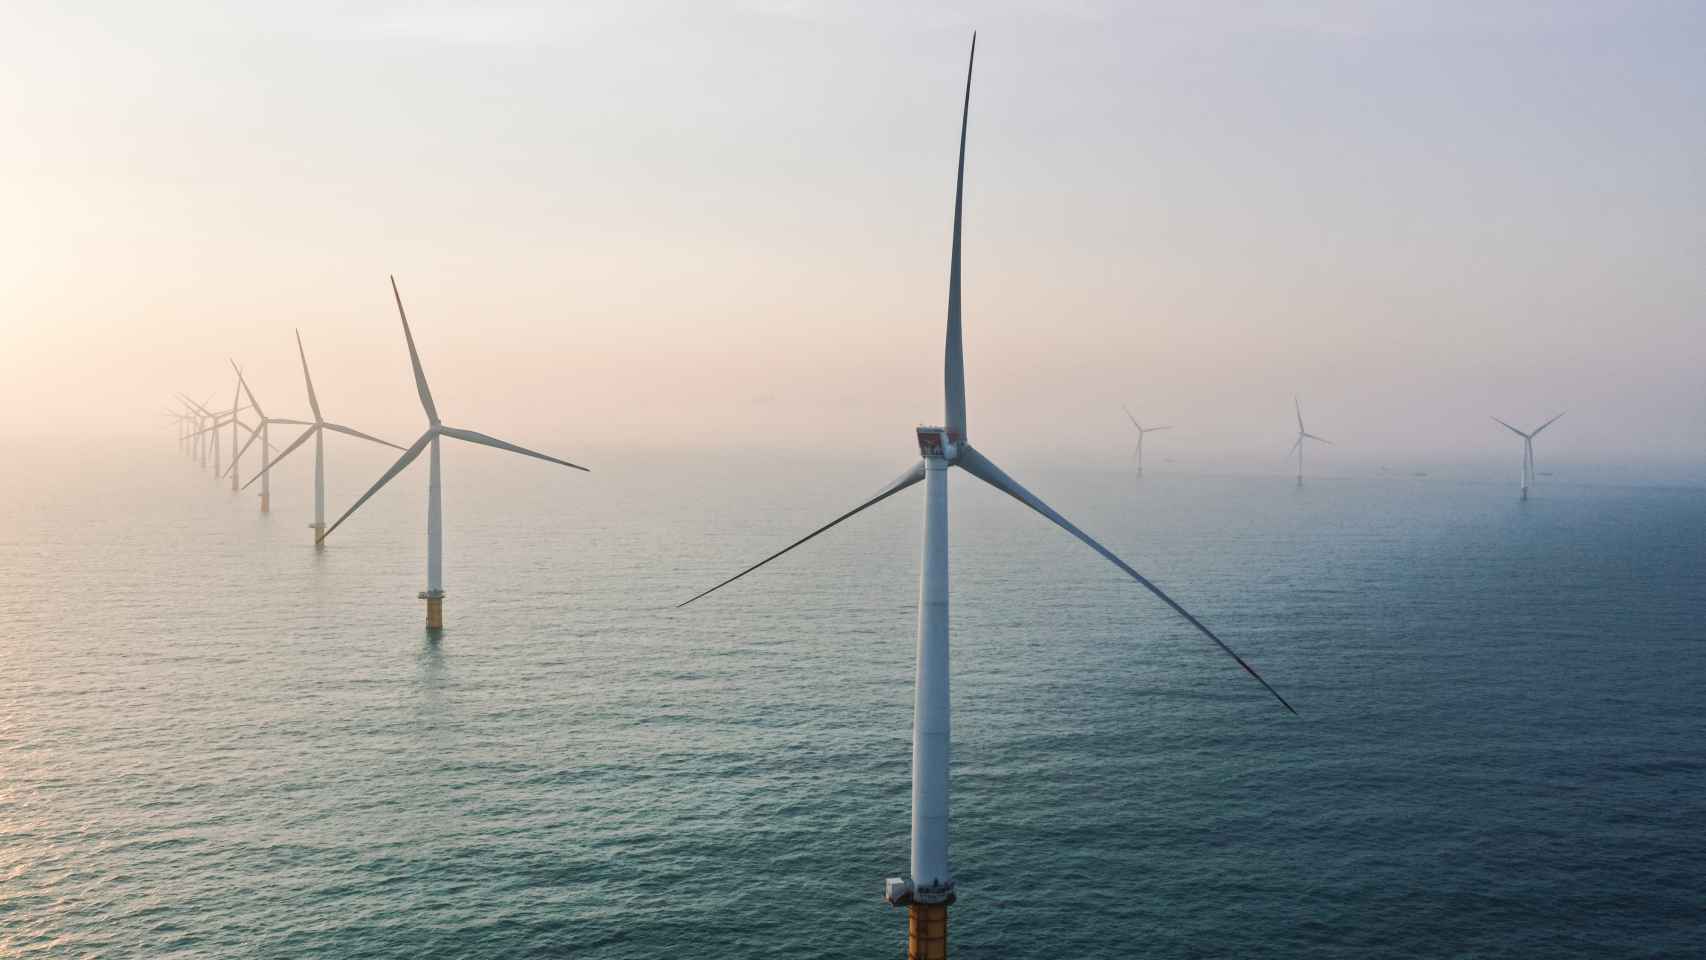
{"points": [[704, 226]]}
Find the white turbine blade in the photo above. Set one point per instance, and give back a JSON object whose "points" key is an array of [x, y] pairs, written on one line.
{"points": [[473, 437], [913, 474], [294, 423], [313, 402], [415, 360], [1322, 439], [253, 436], [247, 392], [980, 466], [954, 361], [1299, 406], [407, 458], [1543, 426], [1294, 445], [1133, 419], [1154, 429], [1511, 428], [340, 428], [286, 452]]}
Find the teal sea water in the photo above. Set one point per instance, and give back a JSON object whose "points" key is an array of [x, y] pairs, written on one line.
{"points": [[217, 742]]}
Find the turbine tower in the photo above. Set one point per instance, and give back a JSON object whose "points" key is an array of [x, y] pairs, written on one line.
{"points": [[1302, 435], [1527, 450], [930, 888], [316, 430], [1141, 430], [434, 593]]}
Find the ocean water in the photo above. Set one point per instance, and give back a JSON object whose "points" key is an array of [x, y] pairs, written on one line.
{"points": [[216, 741]]}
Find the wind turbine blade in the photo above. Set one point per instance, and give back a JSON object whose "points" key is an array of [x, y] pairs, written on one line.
{"points": [[340, 428], [1153, 429], [913, 474], [282, 454], [1543, 426], [314, 402], [241, 382], [1511, 428], [473, 437], [415, 360], [407, 458], [294, 423], [1322, 439], [253, 436], [1133, 419], [201, 408], [954, 361], [1299, 406], [1294, 445], [980, 466]]}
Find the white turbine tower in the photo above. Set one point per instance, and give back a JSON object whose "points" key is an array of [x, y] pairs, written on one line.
{"points": [[1527, 450], [1141, 431], [1302, 435], [434, 593], [930, 888], [316, 430]]}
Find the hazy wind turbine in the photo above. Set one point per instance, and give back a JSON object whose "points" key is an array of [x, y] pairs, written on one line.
{"points": [[199, 413], [216, 421], [1141, 430], [1527, 450], [1302, 435], [434, 593], [261, 432], [316, 430], [182, 421], [930, 888]]}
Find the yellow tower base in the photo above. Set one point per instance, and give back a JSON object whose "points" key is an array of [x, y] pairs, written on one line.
{"points": [[927, 931], [435, 613], [266, 503]]}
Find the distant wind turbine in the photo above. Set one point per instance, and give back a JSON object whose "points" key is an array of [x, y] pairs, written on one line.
{"points": [[316, 430], [930, 888], [1141, 431], [434, 593], [1527, 450], [1302, 435], [216, 420], [263, 432]]}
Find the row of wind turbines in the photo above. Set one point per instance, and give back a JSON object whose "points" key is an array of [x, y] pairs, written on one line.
{"points": [[929, 888], [1303, 435]]}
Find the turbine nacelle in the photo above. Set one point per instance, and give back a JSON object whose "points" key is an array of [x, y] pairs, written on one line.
{"points": [[939, 443]]}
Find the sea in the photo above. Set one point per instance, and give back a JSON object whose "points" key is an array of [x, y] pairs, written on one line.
{"points": [[219, 741]]}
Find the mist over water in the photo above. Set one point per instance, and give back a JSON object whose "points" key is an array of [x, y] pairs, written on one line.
{"points": [[217, 741]]}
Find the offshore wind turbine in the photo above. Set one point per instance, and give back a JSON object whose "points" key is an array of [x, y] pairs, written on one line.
{"points": [[216, 420], [316, 430], [199, 413], [1302, 435], [261, 432], [436, 429], [1527, 450], [1141, 431], [930, 888]]}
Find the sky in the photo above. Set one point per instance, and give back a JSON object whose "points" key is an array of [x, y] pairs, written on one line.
{"points": [[701, 227]]}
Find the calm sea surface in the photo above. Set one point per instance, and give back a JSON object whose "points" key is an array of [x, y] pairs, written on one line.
{"points": [[217, 742]]}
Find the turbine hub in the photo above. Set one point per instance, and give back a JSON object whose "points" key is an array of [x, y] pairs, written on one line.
{"points": [[938, 443]]}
